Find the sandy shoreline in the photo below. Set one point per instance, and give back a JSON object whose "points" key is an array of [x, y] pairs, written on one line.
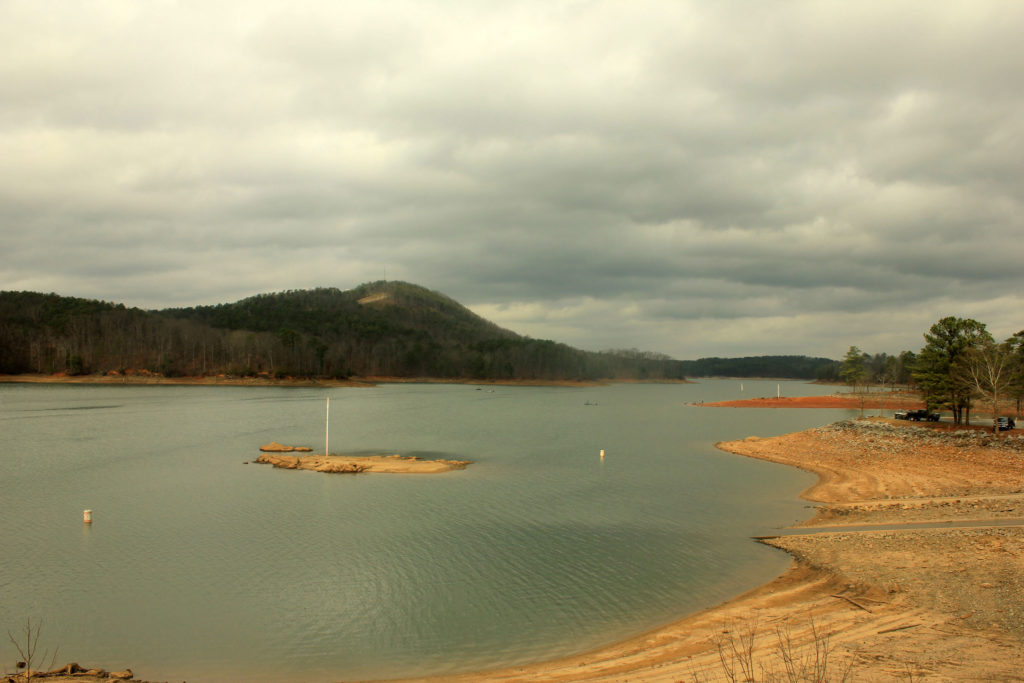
{"points": [[230, 381], [841, 401], [151, 379], [914, 604]]}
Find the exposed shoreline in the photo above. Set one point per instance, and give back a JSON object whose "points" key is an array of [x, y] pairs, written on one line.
{"points": [[149, 379], [833, 401], [944, 603]]}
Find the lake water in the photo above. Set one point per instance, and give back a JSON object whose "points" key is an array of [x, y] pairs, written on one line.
{"points": [[201, 568]]}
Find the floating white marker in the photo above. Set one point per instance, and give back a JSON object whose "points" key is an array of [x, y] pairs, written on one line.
{"points": [[87, 516], [778, 391], [602, 454], [327, 428]]}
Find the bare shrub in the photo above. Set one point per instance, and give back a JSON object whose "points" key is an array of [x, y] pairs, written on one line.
{"points": [[27, 646], [789, 662], [811, 663], [736, 653]]}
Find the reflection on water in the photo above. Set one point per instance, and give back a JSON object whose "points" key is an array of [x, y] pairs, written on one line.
{"points": [[200, 567]]}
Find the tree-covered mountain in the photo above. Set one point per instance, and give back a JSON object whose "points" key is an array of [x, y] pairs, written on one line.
{"points": [[379, 329], [384, 329], [791, 367]]}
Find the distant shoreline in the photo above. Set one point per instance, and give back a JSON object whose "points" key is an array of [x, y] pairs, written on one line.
{"points": [[840, 401], [230, 381], [153, 379]]}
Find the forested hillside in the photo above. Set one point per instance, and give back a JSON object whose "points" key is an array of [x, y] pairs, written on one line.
{"points": [[378, 329], [794, 367]]}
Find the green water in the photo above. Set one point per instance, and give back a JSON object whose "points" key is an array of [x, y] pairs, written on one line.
{"points": [[201, 568]]}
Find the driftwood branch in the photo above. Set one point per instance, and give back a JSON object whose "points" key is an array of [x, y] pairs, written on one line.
{"points": [[898, 628], [852, 602]]}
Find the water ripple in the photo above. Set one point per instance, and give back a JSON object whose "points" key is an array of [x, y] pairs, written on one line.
{"points": [[199, 567]]}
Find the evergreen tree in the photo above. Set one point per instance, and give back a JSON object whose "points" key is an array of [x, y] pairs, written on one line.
{"points": [[854, 369], [945, 341]]}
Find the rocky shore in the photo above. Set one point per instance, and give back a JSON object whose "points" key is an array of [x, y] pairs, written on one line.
{"points": [[72, 672]]}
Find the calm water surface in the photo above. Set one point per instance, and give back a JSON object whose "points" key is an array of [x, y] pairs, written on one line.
{"points": [[199, 567]]}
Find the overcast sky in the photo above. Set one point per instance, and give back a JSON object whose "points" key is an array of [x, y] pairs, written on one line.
{"points": [[694, 178]]}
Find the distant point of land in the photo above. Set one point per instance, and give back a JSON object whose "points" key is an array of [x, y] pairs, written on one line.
{"points": [[840, 401]]}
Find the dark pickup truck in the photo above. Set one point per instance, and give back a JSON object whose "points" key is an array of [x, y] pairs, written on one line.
{"points": [[921, 415], [1005, 423]]}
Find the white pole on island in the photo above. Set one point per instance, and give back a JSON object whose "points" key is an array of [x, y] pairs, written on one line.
{"points": [[327, 429]]}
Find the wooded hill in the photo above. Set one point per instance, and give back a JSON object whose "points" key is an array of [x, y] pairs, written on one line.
{"points": [[384, 329], [392, 329], [791, 367]]}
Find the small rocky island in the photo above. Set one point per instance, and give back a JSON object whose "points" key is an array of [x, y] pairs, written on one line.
{"points": [[302, 458]]}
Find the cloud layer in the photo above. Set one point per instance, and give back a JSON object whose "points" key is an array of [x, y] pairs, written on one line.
{"points": [[693, 178]]}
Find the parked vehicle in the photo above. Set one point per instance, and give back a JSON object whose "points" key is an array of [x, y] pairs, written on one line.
{"points": [[920, 415], [1005, 423]]}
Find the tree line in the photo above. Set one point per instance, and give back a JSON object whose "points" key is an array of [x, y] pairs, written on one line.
{"points": [[960, 364], [389, 329], [790, 367]]}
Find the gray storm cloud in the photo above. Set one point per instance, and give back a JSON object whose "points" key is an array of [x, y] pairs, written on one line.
{"points": [[692, 178]]}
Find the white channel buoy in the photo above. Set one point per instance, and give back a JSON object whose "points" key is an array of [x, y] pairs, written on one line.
{"points": [[87, 516]]}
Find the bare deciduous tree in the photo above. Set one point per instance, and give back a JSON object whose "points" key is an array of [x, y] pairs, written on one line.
{"points": [[986, 370]]}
